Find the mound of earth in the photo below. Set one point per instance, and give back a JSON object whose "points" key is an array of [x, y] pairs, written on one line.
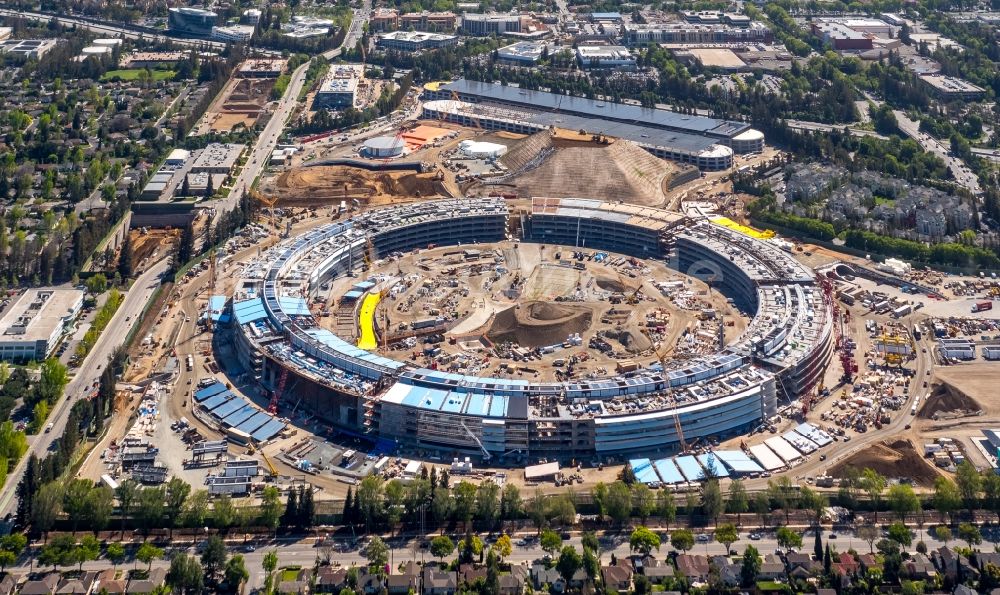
{"points": [[632, 342], [947, 400], [304, 186], [583, 168], [893, 459], [612, 285], [537, 324]]}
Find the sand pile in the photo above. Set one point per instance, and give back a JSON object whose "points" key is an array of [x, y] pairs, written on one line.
{"points": [[633, 342], [537, 324], [947, 401], [582, 169], [891, 459]]}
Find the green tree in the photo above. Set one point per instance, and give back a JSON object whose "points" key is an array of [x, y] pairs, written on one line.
{"points": [[788, 539], [270, 508], [568, 563], [369, 499], [115, 552], [185, 575], [711, 499], [899, 533], [873, 483], [783, 493], [903, 501], [377, 554], [942, 533], [147, 553], [213, 557], [681, 539], [750, 568], [869, 533], [946, 498], [970, 534], [643, 541], [643, 500], [738, 501], [550, 541], [727, 535], [178, 491], [969, 483], [666, 507], [464, 496], [619, 502], [502, 547], [442, 546], [235, 573]]}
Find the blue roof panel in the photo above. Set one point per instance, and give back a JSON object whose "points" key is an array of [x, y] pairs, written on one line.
{"points": [[268, 430], [255, 422], [248, 311], [712, 463], [241, 415], [690, 468], [216, 401], [668, 472], [228, 408], [209, 391]]}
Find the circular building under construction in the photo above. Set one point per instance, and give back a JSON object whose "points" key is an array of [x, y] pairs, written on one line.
{"points": [[383, 147]]}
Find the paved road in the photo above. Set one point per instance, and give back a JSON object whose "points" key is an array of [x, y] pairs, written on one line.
{"points": [[814, 126], [86, 375], [112, 29], [963, 175], [261, 152]]}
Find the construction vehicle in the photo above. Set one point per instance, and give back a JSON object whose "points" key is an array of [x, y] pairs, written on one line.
{"points": [[269, 202]]}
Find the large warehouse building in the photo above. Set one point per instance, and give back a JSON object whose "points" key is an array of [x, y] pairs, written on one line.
{"points": [[32, 327], [711, 396], [664, 133]]}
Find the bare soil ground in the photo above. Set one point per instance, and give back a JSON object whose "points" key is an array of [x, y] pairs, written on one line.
{"points": [[977, 381], [892, 458], [947, 399], [154, 241], [537, 324], [326, 184]]}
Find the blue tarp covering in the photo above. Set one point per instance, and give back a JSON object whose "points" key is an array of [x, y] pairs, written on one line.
{"points": [[644, 471], [216, 400], [209, 391], [738, 462], [251, 425], [249, 311], [216, 304], [294, 306], [668, 471], [228, 408], [240, 415], [268, 430], [363, 286], [712, 463], [690, 468], [353, 295]]}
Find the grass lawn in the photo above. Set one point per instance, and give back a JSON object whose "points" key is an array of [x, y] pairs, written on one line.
{"points": [[883, 200], [133, 74], [291, 573]]}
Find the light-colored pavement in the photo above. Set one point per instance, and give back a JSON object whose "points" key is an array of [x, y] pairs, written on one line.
{"points": [[87, 375], [817, 126]]}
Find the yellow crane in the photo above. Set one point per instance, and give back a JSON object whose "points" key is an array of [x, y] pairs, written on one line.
{"points": [[269, 202]]}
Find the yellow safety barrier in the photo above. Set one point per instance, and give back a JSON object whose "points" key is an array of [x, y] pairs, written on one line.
{"points": [[743, 229], [367, 322]]}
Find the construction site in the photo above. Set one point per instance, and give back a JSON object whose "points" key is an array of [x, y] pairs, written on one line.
{"points": [[525, 310], [241, 104]]}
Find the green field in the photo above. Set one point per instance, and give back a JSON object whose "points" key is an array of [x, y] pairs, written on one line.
{"points": [[133, 74]]}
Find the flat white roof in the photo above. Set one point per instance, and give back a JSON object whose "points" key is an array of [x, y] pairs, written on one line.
{"points": [[38, 313]]}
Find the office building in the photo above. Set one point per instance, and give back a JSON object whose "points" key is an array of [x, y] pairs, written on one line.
{"points": [[605, 56], [680, 33], [32, 327], [195, 22], [233, 33], [339, 88], [524, 53], [438, 22], [413, 41], [483, 25], [28, 49], [948, 87]]}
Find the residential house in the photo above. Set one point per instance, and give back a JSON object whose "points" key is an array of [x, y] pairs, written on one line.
{"points": [[80, 585], [369, 583], [330, 579], [949, 563], [513, 583], [107, 580], [772, 568], [618, 578], [657, 571], [920, 567], [541, 576], [470, 573], [8, 583], [729, 573], [45, 585], [801, 565], [694, 567], [407, 579], [439, 582], [150, 583], [868, 562]]}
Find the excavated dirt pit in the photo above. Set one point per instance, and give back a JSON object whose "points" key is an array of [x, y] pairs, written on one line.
{"points": [[947, 400]]}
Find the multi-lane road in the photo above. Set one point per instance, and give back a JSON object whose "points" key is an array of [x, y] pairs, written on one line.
{"points": [[260, 155], [963, 175], [87, 374]]}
